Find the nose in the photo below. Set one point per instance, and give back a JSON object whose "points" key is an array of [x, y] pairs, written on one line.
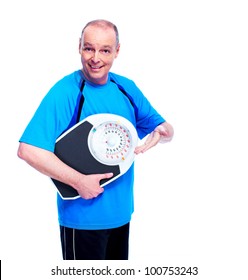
{"points": [[95, 57]]}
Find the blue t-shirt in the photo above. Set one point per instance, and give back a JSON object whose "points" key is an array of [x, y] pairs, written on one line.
{"points": [[57, 112]]}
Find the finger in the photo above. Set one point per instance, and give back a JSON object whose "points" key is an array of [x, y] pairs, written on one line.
{"points": [[103, 177], [140, 148], [151, 141], [109, 175], [106, 175]]}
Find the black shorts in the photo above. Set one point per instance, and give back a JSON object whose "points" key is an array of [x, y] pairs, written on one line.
{"points": [[108, 244]]}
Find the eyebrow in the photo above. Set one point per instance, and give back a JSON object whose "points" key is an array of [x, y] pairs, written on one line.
{"points": [[89, 44]]}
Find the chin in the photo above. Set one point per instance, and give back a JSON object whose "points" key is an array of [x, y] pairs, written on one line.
{"points": [[99, 79]]}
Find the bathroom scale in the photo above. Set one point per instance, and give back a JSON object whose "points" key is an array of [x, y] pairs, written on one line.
{"points": [[100, 143]]}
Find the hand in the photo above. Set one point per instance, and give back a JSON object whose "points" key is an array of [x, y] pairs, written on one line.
{"points": [[90, 185], [162, 133], [151, 141]]}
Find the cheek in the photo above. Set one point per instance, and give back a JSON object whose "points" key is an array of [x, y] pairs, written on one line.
{"points": [[83, 59], [110, 61]]}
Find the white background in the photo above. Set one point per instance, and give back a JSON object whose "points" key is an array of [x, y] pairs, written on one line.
{"points": [[190, 60]]}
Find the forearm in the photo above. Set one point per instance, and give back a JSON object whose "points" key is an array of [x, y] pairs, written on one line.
{"points": [[49, 164]]}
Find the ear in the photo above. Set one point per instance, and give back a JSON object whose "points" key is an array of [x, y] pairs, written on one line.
{"points": [[80, 46], [117, 50]]}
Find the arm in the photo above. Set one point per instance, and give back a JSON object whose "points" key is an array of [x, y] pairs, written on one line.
{"points": [[162, 133], [49, 164]]}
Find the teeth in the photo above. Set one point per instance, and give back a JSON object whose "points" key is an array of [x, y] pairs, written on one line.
{"points": [[94, 67]]}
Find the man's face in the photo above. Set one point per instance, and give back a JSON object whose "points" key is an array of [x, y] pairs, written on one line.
{"points": [[98, 50]]}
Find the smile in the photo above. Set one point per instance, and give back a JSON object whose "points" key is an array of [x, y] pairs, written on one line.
{"points": [[95, 67]]}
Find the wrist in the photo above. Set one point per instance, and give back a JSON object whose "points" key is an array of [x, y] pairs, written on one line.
{"points": [[165, 135]]}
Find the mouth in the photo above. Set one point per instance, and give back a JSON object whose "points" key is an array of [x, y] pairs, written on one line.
{"points": [[95, 68]]}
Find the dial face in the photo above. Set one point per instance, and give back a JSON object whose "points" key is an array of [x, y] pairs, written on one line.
{"points": [[110, 142]]}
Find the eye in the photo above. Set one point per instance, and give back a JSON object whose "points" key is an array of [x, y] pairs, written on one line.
{"points": [[105, 51], [88, 49]]}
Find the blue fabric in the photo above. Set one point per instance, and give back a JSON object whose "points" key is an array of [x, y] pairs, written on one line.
{"points": [[57, 112]]}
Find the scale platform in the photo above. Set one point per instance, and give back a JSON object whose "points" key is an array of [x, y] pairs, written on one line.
{"points": [[101, 143]]}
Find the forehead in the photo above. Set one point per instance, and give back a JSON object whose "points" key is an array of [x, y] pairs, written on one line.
{"points": [[99, 35]]}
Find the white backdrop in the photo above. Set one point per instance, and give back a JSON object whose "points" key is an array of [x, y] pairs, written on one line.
{"points": [[190, 60]]}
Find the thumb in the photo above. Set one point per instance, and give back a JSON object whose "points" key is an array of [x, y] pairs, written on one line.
{"points": [[106, 175], [103, 177]]}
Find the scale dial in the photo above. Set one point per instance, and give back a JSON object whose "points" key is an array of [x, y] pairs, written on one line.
{"points": [[111, 142]]}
